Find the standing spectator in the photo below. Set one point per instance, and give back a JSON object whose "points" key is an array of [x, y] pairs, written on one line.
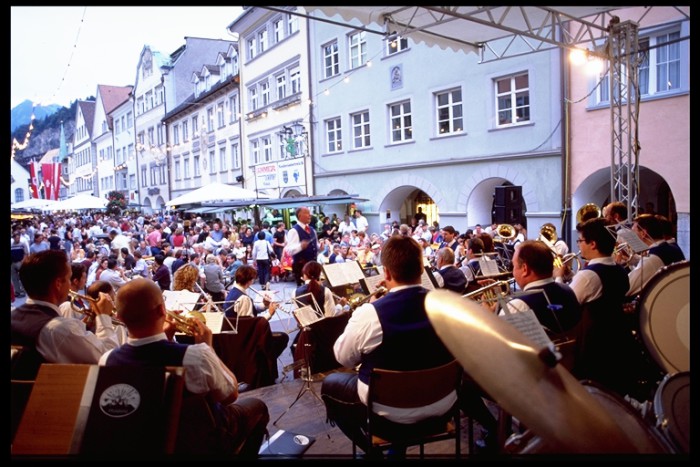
{"points": [[302, 243], [279, 240], [177, 239], [261, 255], [346, 226], [39, 243], [214, 280], [18, 251], [162, 274], [361, 223]]}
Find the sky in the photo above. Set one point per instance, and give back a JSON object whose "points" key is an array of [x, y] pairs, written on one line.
{"points": [[60, 54]]}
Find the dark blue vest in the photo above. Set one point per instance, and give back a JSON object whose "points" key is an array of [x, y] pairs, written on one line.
{"points": [[27, 321], [409, 341], [233, 295], [667, 252], [310, 253], [454, 279], [157, 354], [565, 312]]}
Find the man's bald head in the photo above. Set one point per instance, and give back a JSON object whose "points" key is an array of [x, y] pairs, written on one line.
{"points": [[139, 305]]}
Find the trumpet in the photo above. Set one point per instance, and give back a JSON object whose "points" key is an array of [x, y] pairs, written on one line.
{"points": [[185, 323], [87, 311], [358, 299], [488, 292]]}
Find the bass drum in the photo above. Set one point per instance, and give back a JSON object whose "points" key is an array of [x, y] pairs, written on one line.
{"points": [[672, 410], [645, 437], [664, 317]]}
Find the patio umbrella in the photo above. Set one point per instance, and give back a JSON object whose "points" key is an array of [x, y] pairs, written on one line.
{"points": [[214, 192], [33, 203], [81, 201]]}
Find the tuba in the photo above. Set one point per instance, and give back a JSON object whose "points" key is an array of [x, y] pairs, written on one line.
{"points": [[549, 233], [588, 211], [490, 292], [506, 231]]}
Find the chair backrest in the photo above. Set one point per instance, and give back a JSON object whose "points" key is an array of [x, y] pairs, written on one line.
{"points": [[415, 388], [22, 375], [315, 343], [102, 412]]}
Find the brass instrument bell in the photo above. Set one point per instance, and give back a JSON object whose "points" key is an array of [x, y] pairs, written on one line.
{"points": [[185, 323], [588, 211], [506, 231]]}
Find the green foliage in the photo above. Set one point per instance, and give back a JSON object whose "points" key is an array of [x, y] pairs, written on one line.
{"points": [[116, 203]]}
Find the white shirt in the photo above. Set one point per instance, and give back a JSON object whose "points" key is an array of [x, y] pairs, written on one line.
{"points": [[67, 340], [586, 283], [361, 223], [113, 277], [644, 270], [204, 371]]}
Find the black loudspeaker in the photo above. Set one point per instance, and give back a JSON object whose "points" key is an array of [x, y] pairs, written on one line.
{"points": [[507, 215], [508, 196], [239, 178]]}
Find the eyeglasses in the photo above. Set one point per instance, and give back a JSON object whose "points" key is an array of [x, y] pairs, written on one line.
{"points": [[580, 240]]}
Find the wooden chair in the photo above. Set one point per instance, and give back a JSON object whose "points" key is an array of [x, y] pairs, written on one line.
{"points": [[23, 370], [412, 389], [101, 413]]}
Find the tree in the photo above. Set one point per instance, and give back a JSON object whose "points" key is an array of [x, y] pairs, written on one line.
{"points": [[116, 203]]}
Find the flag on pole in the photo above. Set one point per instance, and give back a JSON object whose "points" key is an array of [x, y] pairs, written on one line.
{"points": [[51, 174], [34, 179]]}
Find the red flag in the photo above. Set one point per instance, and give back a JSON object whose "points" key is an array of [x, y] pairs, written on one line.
{"points": [[56, 180], [34, 179], [50, 173]]}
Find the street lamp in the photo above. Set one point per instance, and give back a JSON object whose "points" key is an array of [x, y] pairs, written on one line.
{"points": [[295, 137]]}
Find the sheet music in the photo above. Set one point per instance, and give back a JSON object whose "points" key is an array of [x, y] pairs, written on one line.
{"points": [[527, 323], [488, 267], [215, 321], [632, 239], [180, 299], [369, 284], [343, 273], [427, 280], [306, 315]]}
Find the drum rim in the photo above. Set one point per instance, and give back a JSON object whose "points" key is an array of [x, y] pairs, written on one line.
{"points": [[644, 316], [660, 408]]}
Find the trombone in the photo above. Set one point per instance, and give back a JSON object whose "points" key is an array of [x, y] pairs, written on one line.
{"points": [[90, 313]]}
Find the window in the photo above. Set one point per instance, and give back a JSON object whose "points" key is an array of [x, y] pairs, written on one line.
{"points": [[251, 49], [153, 175], [195, 126], [267, 148], [265, 93], [185, 132], [19, 195], [161, 173], [129, 120], [222, 159], [212, 162], [397, 44], [197, 171], [151, 139], [253, 96], [449, 111], [233, 108], [295, 78], [176, 134], [281, 86], [255, 150], [186, 167], [132, 181], [220, 114], [334, 135], [178, 170], [161, 134], [330, 60], [210, 119], [117, 126], [277, 30], [262, 41], [358, 49], [235, 160], [360, 130], [513, 100], [292, 25], [400, 120]]}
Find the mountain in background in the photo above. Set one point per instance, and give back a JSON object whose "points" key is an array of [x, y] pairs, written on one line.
{"points": [[46, 131], [22, 114]]}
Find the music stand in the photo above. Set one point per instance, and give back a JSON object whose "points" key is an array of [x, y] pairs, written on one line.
{"points": [[305, 372]]}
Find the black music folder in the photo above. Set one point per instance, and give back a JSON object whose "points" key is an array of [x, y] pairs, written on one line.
{"points": [[286, 444]]}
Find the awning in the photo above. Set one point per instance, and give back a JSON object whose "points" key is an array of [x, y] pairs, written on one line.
{"points": [[283, 203]]}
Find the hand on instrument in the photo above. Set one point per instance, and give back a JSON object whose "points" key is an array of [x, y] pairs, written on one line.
{"points": [[170, 329], [273, 308], [104, 305], [201, 333]]}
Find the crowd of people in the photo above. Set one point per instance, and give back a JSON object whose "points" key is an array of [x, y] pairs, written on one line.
{"points": [[126, 263]]}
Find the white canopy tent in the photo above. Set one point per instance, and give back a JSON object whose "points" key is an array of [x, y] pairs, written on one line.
{"points": [[34, 203], [78, 202], [214, 192]]}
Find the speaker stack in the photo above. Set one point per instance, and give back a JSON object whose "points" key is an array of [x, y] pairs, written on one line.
{"points": [[508, 205]]}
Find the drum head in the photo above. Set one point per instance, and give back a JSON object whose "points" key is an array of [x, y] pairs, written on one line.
{"points": [[672, 408], [664, 314], [646, 438]]}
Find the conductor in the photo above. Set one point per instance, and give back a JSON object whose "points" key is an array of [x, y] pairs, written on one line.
{"points": [[302, 243]]}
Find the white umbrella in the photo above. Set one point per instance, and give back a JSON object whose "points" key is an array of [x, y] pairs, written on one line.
{"points": [[214, 192], [33, 203], [81, 201]]}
